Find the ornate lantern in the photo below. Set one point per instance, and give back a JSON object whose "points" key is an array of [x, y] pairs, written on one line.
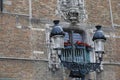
{"points": [[99, 40], [57, 36]]}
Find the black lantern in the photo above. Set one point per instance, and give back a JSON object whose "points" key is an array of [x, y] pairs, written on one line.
{"points": [[99, 40], [57, 36]]}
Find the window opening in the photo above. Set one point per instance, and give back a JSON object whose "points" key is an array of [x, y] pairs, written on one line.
{"points": [[77, 37], [75, 47], [74, 36]]}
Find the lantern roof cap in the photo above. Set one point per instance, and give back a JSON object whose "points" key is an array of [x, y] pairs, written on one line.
{"points": [[99, 33], [57, 29]]}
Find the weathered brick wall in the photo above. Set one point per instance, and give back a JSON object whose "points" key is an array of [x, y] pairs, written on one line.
{"points": [[16, 70], [26, 70], [14, 42], [111, 72], [16, 6], [40, 9], [44, 9], [98, 12], [22, 42], [116, 10]]}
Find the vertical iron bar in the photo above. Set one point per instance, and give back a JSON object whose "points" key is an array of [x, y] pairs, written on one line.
{"points": [[65, 55], [84, 55], [77, 55], [72, 43], [62, 56], [80, 51], [71, 55], [80, 55]]}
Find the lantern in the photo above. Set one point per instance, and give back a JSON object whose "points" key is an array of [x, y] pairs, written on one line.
{"points": [[57, 36], [99, 40]]}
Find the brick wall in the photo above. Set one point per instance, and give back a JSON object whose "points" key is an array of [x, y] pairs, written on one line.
{"points": [[14, 42], [22, 42], [16, 70], [98, 12], [16, 6], [12, 69]]}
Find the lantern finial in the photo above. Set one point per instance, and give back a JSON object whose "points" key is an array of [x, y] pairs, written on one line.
{"points": [[98, 27], [56, 22]]}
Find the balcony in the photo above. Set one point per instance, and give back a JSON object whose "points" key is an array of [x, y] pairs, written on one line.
{"points": [[79, 54], [77, 60], [74, 53]]}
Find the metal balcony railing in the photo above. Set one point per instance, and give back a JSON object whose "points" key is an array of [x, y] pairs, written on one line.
{"points": [[77, 60], [77, 55]]}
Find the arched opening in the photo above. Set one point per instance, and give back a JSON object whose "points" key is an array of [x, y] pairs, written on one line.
{"points": [[74, 35]]}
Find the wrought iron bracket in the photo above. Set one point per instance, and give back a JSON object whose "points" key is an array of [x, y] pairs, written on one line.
{"points": [[80, 69]]}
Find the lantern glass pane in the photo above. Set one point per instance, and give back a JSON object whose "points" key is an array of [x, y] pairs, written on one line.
{"points": [[58, 42], [99, 45]]}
